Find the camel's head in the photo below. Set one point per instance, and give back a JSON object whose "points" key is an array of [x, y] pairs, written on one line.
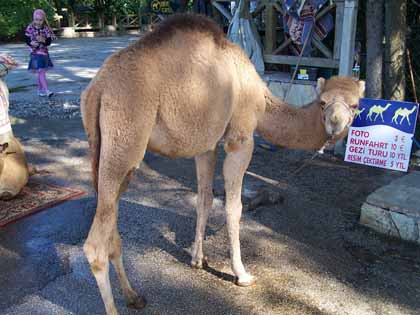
{"points": [[339, 99]]}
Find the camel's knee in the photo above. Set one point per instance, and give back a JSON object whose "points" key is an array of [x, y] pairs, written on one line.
{"points": [[97, 256]]}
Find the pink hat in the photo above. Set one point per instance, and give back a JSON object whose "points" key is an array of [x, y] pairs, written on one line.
{"points": [[39, 13]]}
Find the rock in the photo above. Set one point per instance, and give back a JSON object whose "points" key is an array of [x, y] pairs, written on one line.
{"points": [[264, 198], [394, 209]]}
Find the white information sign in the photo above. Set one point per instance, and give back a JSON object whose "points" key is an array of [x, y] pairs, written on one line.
{"points": [[381, 134]]}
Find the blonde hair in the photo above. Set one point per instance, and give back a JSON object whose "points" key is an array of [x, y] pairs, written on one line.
{"points": [[40, 12]]}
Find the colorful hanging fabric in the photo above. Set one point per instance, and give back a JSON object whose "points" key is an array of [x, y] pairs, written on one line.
{"points": [[299, 23]]}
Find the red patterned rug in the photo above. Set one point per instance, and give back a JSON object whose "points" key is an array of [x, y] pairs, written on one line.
{"points": [[33, 198]]}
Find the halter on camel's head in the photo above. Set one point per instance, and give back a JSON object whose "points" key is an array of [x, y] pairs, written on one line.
{"points": [[339, 99]]}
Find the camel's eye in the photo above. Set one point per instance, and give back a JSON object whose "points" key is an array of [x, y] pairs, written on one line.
{"points": [[322, 104]]}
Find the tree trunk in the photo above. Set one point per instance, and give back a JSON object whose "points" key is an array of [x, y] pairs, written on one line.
{"points": [[71, 18], [374, 47], [57, 5], [395, 33], [114, 19], [101, 20], [100, 9]]}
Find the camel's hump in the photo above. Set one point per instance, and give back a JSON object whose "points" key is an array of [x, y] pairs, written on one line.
{"points": [[184, 22]]}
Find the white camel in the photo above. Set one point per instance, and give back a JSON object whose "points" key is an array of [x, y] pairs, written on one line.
{"points": [[358, 112], [378, 110], [404, 113]]}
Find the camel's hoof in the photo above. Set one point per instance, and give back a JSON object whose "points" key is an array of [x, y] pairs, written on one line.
{"points": [[245, 281], [200, 264], [138, 303]]}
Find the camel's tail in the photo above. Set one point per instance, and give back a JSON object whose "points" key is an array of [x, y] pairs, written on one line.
{"points": [[90, 108]]}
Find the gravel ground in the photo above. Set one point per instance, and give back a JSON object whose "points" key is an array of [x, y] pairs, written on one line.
{"points": [[51, 108], [309, 253]]}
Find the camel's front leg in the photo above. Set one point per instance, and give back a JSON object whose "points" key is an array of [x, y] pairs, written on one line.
{"points": [[205, 165], [234, 168]]}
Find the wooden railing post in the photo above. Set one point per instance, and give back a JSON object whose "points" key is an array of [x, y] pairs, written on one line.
{"points": [[270, 38], [348, 37], [338, 32]]}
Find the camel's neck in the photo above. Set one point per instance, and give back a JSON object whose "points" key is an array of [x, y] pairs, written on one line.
{"points": [[295, 128]]}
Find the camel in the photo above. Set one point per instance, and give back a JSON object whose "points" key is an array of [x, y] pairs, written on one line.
{"points": [[378, 110], [405, 113], [179, 91], [14, 171], [358, 112]]}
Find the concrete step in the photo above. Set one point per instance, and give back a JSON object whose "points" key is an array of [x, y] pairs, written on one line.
{"points": [[394, 209]]}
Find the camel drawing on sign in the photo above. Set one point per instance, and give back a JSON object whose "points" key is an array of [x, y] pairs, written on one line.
{"points": [[405, 113], [179, 91], [378, 110], [358, 113]]}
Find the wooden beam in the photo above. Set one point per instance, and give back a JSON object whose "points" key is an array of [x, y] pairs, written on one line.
{"points": [[339, 14], [317, 42], [305, 61], [322, 48], [278, 7], [270, 37], [258, 10], [325, 11], [282, 46], [244, 9], [222, 10]]}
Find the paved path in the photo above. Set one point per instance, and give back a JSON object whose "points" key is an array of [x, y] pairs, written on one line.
{"points": [[76, 62], [310, 255]]}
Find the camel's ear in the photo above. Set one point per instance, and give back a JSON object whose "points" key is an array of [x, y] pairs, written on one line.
{"points": [[362, 87], [320, 85]]}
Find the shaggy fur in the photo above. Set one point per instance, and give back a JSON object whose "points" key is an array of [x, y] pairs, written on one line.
{"points": [[178, 92], [14, 171]]}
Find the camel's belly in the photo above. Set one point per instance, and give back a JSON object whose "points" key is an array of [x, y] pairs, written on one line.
{"points": [[187, 143]]}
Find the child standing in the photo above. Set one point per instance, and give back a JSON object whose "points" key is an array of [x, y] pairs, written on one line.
{"points": [[38, 36]]}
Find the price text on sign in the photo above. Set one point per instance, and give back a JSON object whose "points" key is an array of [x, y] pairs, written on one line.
{"points": [[381, 134]]}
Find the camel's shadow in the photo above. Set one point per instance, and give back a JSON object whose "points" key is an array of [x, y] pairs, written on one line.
{"points": [[37, 250]]}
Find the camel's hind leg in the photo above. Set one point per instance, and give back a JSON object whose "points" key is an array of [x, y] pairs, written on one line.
{"points": [[132, 298], [120, 155], [234, 167], [98, 244], [205, 165]]}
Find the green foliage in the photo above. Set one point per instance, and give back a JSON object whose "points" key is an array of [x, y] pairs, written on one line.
{"points": [[16, 15]]}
